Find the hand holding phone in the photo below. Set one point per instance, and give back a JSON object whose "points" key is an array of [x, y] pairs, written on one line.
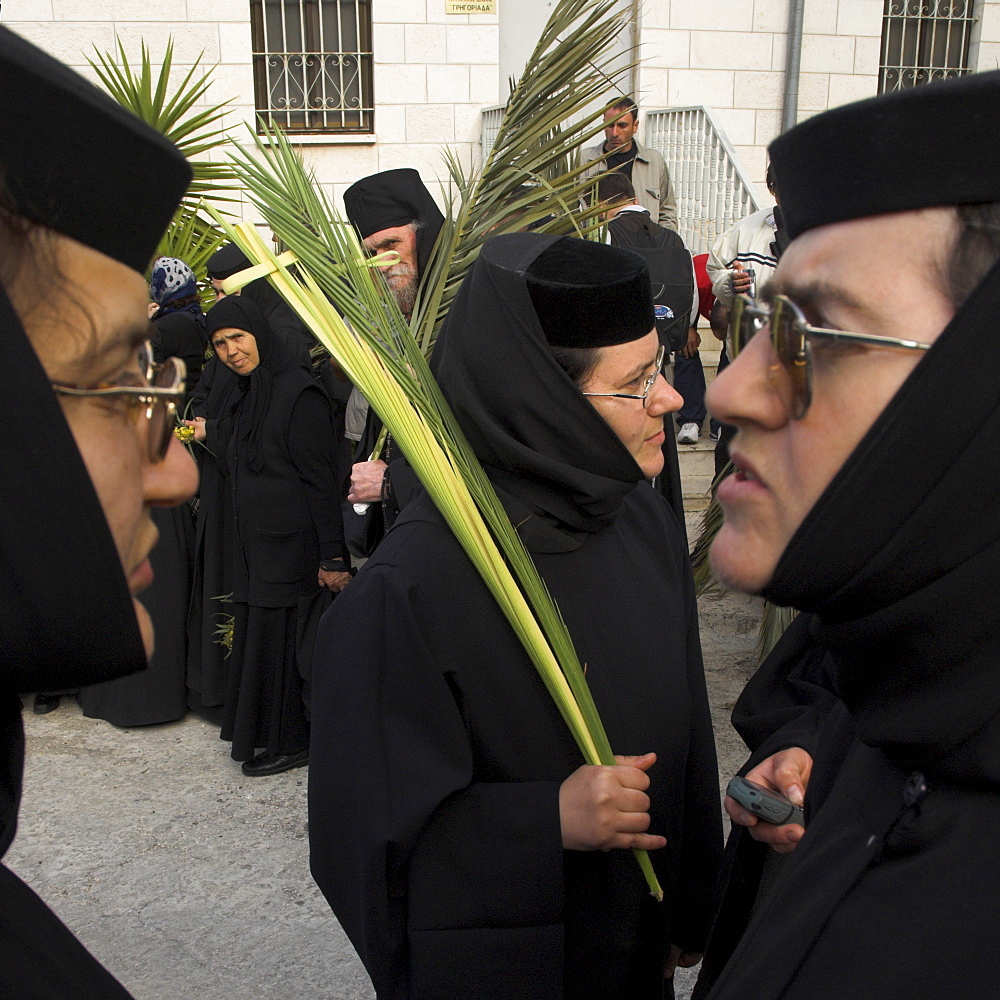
{"points": [[765, 803]]}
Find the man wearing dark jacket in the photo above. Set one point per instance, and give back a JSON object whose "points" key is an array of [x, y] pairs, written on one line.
{"points": [[855, 503]]}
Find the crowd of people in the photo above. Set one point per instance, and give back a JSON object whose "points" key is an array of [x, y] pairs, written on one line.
{"points": [[462, 842]]}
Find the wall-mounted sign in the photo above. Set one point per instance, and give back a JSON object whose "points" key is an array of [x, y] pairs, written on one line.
{"points": [[470, 6]]}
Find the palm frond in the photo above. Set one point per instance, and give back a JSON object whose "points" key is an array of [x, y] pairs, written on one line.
{"points": [[331, 287], [172, 110], [773, 622]]}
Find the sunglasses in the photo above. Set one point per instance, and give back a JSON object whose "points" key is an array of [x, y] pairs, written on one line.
{"points": [[790, 336], [163, 390]]}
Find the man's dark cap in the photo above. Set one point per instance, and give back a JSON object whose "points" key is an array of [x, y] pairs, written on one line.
{"points": [[590, 294], [76, 161], [922, 147], [227, 261], [389, 199]]}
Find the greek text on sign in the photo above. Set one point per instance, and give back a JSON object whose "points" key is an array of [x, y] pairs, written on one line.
{"points": [[470, 6]]}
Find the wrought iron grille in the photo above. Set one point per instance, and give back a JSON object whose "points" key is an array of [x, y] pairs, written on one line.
{"points": [[312, 64], [923, 41]]}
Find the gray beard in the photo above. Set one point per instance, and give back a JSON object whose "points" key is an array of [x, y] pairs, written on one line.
{"points": [[402, 281]]}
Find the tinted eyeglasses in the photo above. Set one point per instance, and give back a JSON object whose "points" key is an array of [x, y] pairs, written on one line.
{"points": [[647, 386], [790, 336], [157, 397]]}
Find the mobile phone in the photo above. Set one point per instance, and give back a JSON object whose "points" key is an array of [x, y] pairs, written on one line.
{"points": [[768, 805]]}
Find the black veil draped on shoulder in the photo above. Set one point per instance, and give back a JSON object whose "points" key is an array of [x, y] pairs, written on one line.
{"points": [[539, 439]]}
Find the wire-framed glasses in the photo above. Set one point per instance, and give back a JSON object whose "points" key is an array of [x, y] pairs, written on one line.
{"points": [[790, 336], [162, 390], [647, 386]]}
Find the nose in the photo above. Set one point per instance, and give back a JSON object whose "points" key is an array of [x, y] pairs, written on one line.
{"points": [[663, 397], [170, 481], [744, 392]]}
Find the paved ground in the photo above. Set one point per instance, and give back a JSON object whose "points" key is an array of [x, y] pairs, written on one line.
{"points": [[190, 881]]}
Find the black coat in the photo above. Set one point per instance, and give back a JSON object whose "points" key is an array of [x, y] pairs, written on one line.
{"points": [[437, 757]]}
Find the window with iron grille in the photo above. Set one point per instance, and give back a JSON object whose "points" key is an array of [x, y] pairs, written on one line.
{"points": [[923, 41], [312, 64]]}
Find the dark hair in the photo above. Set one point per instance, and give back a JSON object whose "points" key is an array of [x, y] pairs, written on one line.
{"points": [[615, 188], [976, 249], [577, 362], [623, 105]]}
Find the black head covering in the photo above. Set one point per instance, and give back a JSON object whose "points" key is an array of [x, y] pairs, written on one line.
{"points": [[76, 161], [395, 198], [900, 557], [539, 439], [240, 313], [589, 295], [227, 261], [921, 147]]}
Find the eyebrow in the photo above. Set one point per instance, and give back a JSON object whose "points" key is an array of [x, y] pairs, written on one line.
{"points": [[637, 371], [813, 295]]}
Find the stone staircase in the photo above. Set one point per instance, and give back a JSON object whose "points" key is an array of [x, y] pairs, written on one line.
{"points": [[697, 461]]}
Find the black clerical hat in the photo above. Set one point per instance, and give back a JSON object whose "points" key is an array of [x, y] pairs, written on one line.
{"points": [[227, 261], [388, 199], [73, 159], [590, 294], [921, 147]]}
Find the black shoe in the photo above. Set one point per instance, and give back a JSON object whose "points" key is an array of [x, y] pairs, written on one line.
{"points": [[45, 703], [274, 763]]}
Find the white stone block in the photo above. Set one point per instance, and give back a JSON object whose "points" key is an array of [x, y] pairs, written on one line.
{"points": [[388, 43], [844, 89], [758, 90], [819, 18], [711, 15], [235, 45], [472, 43], [654, 88], [218, 10], [666, 49], [814, 91], [448, 84], [119, 10], [739, 124], [754, 160], [71, 43], [654, 14], [988, 56], [867, 55], [399, 12], [231, 82], [401, 83], [860, 17], [827, 54], [989, 22], [427, 159], [770, 15], [430, 123], [731, 50], [768, 127], [339, 164], [390, 122], [188, 44], [484, 85], [468, 123], [27, 10], [426, 43], [701, 86]]}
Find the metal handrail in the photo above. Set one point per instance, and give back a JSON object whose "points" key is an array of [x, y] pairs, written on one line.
{"points": [[712, 189]]}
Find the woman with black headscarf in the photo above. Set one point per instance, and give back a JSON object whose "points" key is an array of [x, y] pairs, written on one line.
{"points": [[277, 443], [463, 847], [89, 449]]}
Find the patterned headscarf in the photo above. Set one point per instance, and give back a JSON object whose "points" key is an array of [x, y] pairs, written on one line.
{"points": [[171, 280]]}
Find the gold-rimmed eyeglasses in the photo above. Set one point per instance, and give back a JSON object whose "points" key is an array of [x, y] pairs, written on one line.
{"points": [[790, 336], [162, 391], [647, 386]]}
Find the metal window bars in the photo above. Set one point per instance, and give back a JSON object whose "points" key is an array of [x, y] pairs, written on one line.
{"points": [[712, 189], [924, 41], [312, 64]]}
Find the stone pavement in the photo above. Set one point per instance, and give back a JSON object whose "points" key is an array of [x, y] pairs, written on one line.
{"points": [[186, 879]]}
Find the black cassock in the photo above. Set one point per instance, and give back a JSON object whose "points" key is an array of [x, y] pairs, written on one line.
{"points": [[438, 755]]}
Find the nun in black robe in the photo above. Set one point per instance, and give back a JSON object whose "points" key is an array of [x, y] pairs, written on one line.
{"points": [[277, 439], [51, 520], [437, 753]]}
